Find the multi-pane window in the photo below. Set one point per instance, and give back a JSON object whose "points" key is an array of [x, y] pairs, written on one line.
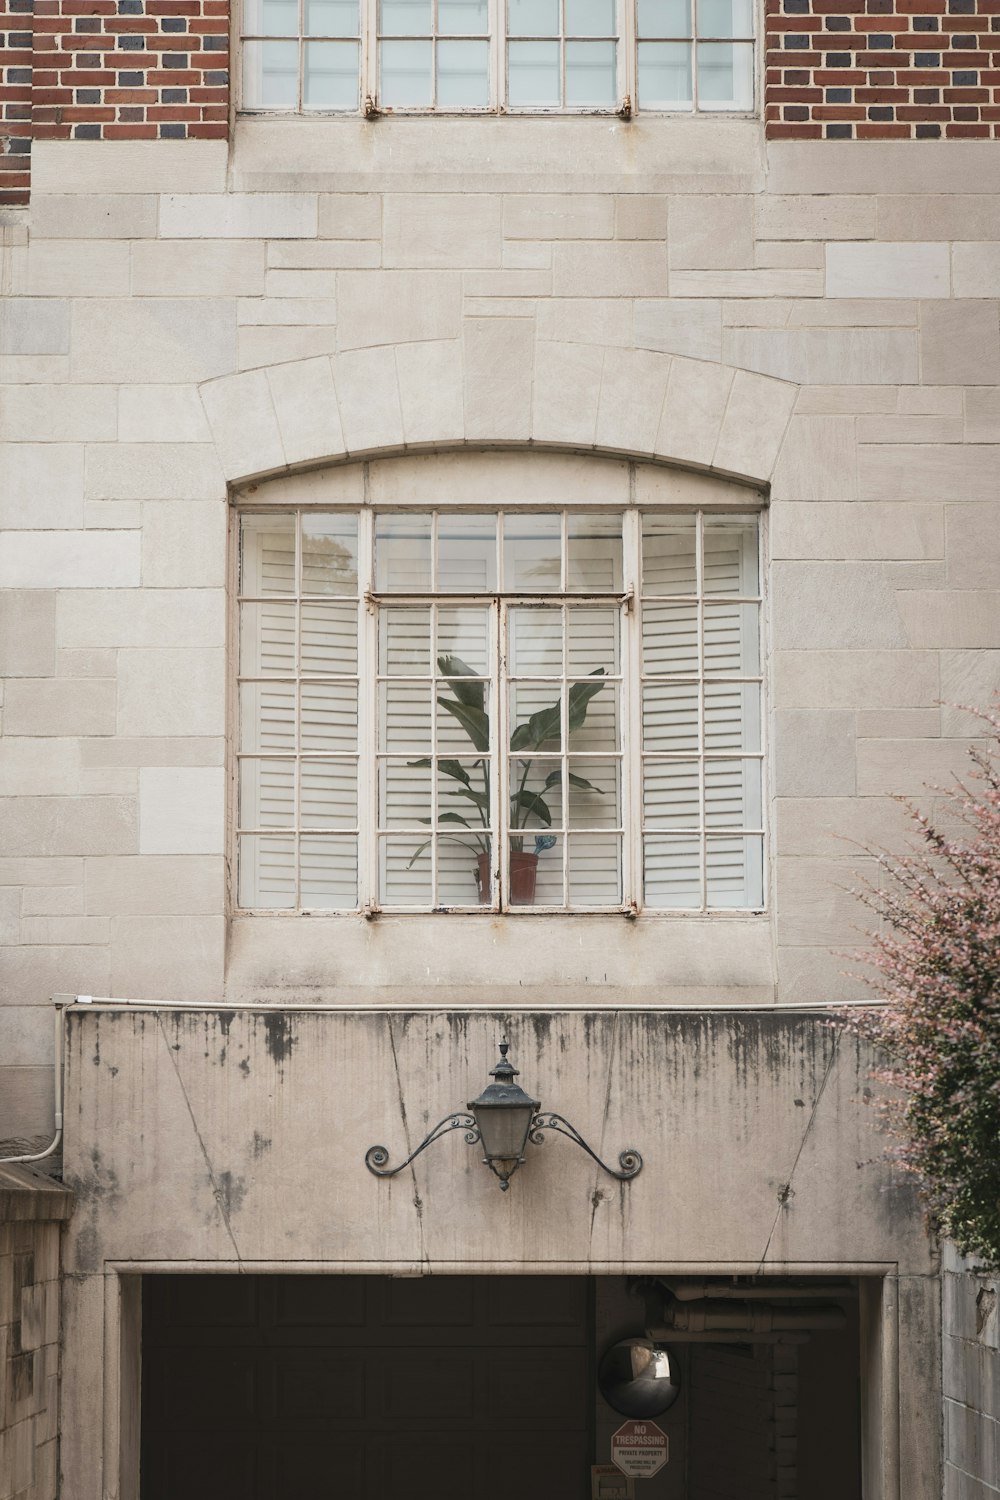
{"points": [[552, 710], [341, 56]]}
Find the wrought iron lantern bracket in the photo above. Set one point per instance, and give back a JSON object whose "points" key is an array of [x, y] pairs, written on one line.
{"points": [[377, 1157], [629, 1160]]}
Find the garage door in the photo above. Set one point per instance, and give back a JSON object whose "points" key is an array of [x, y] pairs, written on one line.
{"points": [[365, 1388]]}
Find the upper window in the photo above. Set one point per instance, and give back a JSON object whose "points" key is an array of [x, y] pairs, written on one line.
{"points": [[552, 710], [497, 55]]}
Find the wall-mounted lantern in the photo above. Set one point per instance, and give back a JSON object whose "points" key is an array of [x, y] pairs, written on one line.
{"points": [[503, 1119]]}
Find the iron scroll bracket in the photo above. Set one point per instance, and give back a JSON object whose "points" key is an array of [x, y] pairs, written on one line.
{"points": [[629, 1160], [377, 1157]]}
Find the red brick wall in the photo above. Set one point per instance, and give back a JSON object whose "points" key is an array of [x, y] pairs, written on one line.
{"points": [[882, 69], [15, 99]]}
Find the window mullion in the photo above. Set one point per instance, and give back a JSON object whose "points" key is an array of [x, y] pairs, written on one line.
{"points": [[628, 45], [630, 647], [702, 794], [500, 779], [368, 764], [497, 22]]}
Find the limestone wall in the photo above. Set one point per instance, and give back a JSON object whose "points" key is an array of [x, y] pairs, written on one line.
{"points": [[970, 1336]]}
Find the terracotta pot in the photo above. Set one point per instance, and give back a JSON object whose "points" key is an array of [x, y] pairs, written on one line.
{"points": [[523, 870]]}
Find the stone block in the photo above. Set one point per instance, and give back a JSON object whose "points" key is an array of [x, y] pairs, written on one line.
{"points": [[350, 216], [960, 341], [71, 268], [305, 404], [852, 312], [244, 424], [753, 426], [52, 900], [498, 355], [57, 414], [155, 884], [948, 618], [286, 312], [883, 532], [782, 216], [289, 285], [814, 752], [52, 706], [26, 1097], [623, 268], [184, 544], [27, 633], [34, 325], [102, 167], [71, 931], [792, 255], [526, 255], [429, 377], [640, 216], [879, 270], [275, 346], [507, 283], [845, 400], [711, 233], [817, 901], [566, 393], [10, 918], [907, 429], [855, 679], [38, 826], [815, 976], [677, 325], [584, 320], [970, 680], [696, 400], [938, 216], [907, 768], [928, 472], [181, 810], [973, 555], [982, 416], [206, 268], [368, 397], [152, 340], [633, 387], [153, 471], [322, 255], [109, 618], [169, 958], [70, 559], [976, 270], [880, 167], [747, 283], [817, 461], [559, 216], [26, 1036], [114, 216], [161, 414], [439, 231], [835, 606], [42, 487], [832, 827], [238, 216], [826, 356], [171, 692], [382, 307], [33, 765]]}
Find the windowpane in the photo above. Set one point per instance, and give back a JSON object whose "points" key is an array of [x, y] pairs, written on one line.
{"points": [[735, 872], [463, 74], [664, 18], [328, 638], [533, 73], [405, 872], [725, 75], [328, 794], [267, 793], [672, 872], [329, 547], [271, 17], [405, 716], [267, 872], [404, 643], [732, 794], [669, 555], [267, 717], [462, 716], [595, 870], [267, 639], [670, 718], [723, 18], [267, 556], [590, 73], [593, 797], [329, 716], [331, 17], [403, 553], [533, 17], [463, 17], [590, 18], [664, 80], [592, 641], [594, 561], [405, 17], [732, 643], [732, 716], [270, 75], [466, 544], [672, 795], [406, 73], [463, 636], [331, 75], [532, 550], [328, 872], [536, 642], [670, 638], [730, 556]]}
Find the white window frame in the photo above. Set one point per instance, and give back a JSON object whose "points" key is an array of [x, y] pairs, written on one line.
{"points": [[631, 751], [626, 103]]}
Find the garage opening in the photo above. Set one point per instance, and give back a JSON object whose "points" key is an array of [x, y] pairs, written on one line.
{"points": [[476, 1387]]}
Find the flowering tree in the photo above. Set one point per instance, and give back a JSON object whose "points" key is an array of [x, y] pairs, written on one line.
{"points": [[936, 968]]}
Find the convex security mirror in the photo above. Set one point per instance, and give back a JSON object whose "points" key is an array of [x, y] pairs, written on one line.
{"points": [[639, 1378]]}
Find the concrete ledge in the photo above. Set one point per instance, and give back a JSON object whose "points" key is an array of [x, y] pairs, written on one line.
{"points": [[26, 1194]]}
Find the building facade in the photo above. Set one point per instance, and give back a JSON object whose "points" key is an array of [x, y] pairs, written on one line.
{"points": [[496, 505]]}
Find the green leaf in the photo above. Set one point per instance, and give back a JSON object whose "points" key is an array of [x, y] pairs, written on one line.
{"points": [[452, 768], [580, 695], [472, 694], [554, 778], [532, 802], [473, 720], [479, 798]]}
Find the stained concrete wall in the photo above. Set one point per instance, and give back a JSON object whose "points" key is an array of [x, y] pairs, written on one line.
{"points": [[970, 1337], [236, 1140]]}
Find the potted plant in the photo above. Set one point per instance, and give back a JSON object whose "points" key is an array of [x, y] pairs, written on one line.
{"points": [[529, 738]]}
